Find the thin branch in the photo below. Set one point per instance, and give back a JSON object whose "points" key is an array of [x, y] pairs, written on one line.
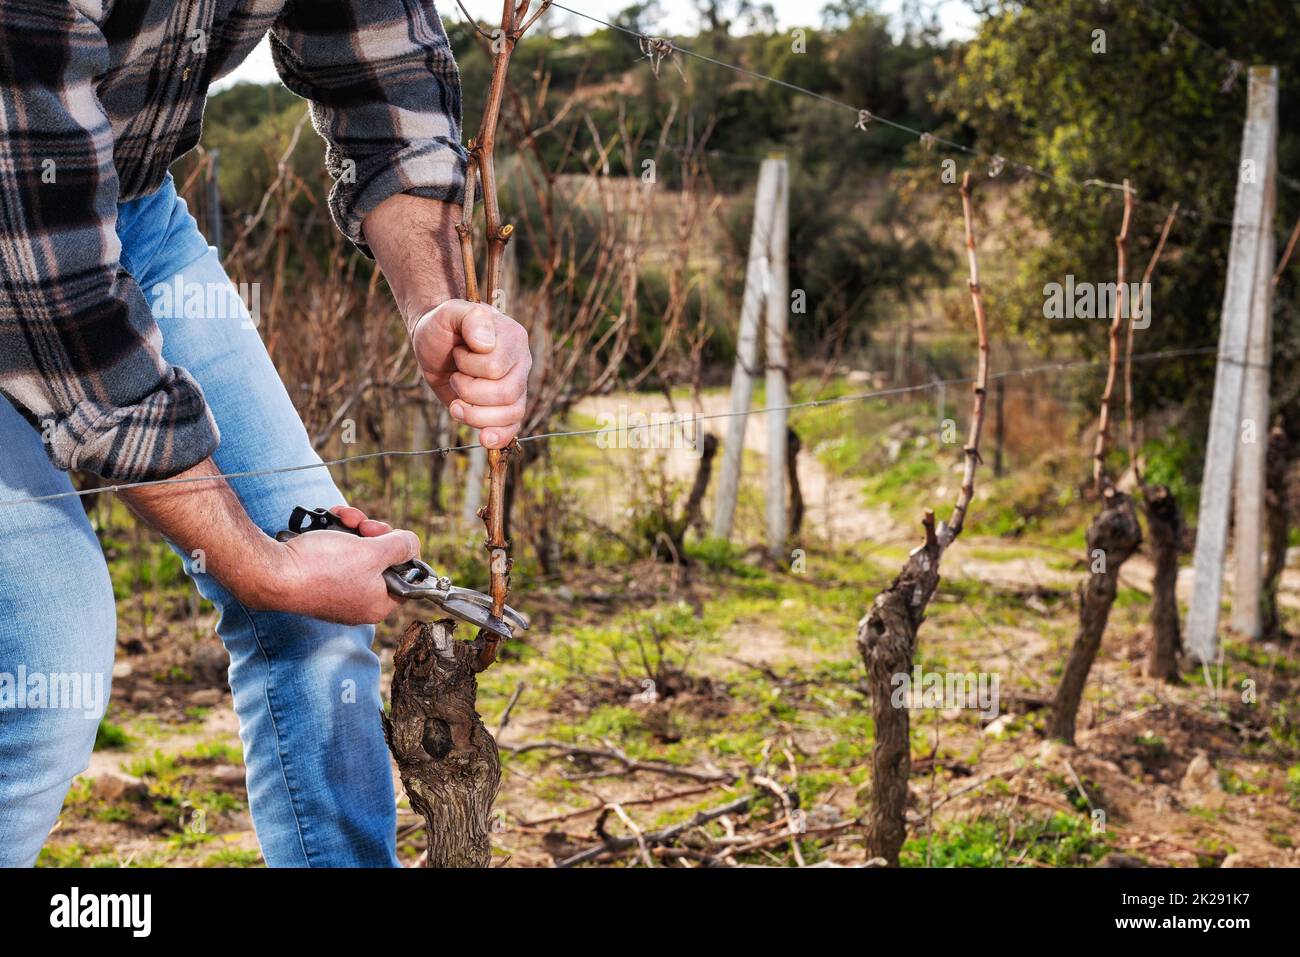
{"points": [[1286, 255], [465, 227], [654, 799], [783, 796], [510, 706], [1142, 309], [469, 18], [614, 844], [980, 387], [642, 848], [537, 15], [282, 171], [630, 764], [1099, 477], [482, 168]]}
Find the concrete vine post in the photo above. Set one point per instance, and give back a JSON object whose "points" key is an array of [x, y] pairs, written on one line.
{"points": [[1113, 536], [1249, 490], [1251, 211], [776, 318], [447, 760], [747, 346], [887, 634]]}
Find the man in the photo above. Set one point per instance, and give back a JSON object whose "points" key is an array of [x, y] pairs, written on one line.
{"points": [[97, 99]]}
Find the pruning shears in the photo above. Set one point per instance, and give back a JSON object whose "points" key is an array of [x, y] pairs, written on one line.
{"points": [[415, 579]]}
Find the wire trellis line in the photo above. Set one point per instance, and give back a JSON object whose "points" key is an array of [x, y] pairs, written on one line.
{"points": [[1181, 29], [996, 161], [682, 420]]}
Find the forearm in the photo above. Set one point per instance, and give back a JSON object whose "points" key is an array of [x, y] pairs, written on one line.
{"points": [[324, 574], [474, 357], [416, 245], [207, 521]]}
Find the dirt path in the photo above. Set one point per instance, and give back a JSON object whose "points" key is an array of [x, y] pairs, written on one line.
{"points": [[835, 508], [837, 511]]}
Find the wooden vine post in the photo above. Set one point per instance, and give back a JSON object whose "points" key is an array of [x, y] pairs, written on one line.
{"points": [[887, 635], [1113, 536], [447, 760]]}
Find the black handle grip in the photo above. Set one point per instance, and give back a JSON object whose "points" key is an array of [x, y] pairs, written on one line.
{"points": [[322, 519], [312, 520], [317, 519]]}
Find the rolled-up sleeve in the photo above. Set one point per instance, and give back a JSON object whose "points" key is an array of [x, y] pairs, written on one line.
{"points": [[80, 352], [385, 95]]}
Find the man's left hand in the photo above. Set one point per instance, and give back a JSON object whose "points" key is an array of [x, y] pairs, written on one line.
{"points": [[476, 359]]}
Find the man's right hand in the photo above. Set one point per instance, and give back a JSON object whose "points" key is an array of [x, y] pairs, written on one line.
{"points": [[328, 575], [335, 576]]}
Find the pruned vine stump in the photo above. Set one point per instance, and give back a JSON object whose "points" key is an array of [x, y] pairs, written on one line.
{"points": [[1113, 537], [1165, 527], [887, 643], [447, 759]]}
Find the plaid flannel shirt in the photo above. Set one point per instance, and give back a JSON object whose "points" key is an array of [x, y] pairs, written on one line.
{"points": [[97, 99]]}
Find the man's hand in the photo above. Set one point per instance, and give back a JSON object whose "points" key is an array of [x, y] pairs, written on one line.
{"points": [[338, 577], [327, 575], [476, 359]]}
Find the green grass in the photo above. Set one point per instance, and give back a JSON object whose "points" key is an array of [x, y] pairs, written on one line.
{"points": [[1254, 654], [62, 855], [893, 448], [1059, 840], [214, 752], [1174, 461], [110, 736], [233, 857], [1153, 744], [1234, 783]]}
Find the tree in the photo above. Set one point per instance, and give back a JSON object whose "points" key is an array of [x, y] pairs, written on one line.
{"points": [[1035, 86]]}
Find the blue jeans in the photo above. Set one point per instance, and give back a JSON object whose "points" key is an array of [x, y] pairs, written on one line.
{"points": [[306, 692]]}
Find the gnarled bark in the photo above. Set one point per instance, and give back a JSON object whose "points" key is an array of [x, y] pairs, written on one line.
{"points": [[1165, 527], [887, 642], [692, 515], [1113, 537], [1279, 523], [447, 759], [887, 635], [796, 507]]}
